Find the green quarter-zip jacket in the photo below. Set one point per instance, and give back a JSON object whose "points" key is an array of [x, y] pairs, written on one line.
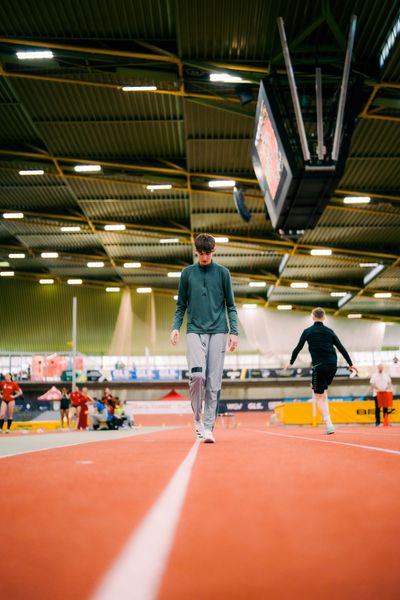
{"points": [[206, 293]]}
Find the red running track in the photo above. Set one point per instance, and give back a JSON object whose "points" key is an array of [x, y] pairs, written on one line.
{"points": [[275, 513]]}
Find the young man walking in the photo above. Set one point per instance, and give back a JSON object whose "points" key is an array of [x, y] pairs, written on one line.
{"points": [[321, 344], [205, 291]]}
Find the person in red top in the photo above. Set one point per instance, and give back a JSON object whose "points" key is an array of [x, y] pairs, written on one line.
{"points": [[83, 413], [75, 397], [9, 391]]}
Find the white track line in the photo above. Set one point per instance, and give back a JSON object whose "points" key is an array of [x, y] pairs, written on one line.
{"points": [[121, 437], [328, 441], [138, 571]]}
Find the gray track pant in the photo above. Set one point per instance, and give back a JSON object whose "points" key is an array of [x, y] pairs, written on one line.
{"points": [[205, 356]]}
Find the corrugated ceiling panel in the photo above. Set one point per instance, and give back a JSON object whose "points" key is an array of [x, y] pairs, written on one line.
{"points": [[108, 139], [373, 174], [215, 223], [91, 190], [374, 305], [205, 121], [58, 242], [163, 253], [390, 279], [202, 202], [219, 156], [14, 126], [373, 237], [63, 20], [374, 138], [137, 210], [32, 198], [48, 101], [248, 262]]}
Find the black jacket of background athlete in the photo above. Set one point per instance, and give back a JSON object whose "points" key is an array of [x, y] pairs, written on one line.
{"points": [[321, 341]]}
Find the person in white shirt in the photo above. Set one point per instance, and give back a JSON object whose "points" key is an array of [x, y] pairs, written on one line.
{"points": [[380, 382]]}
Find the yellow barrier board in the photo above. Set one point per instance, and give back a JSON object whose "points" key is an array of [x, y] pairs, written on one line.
{"points": [[33, 425], [300, 413]]}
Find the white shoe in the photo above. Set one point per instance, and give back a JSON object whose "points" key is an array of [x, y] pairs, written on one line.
{"points": [[208, 437], [199, 429]]}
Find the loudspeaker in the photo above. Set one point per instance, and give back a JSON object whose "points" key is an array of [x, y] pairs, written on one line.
{"points": [[238, 197]]}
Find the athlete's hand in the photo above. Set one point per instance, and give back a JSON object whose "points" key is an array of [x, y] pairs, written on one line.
{"points": [[353, 369], [233, 342], [174, 337]]}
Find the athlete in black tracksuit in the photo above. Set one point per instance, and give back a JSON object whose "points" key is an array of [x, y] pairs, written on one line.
{"points": [[321, 344]]}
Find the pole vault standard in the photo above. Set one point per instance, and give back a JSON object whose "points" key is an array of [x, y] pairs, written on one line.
{"points": [[74, 312]]}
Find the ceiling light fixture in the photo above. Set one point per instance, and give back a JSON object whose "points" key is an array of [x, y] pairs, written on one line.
{"points": [[368, 264], [139, 88], [221, 183], [74, 281], [87, 168], [49, 254], [95, 264], [249, 306], [70, 228], [34, 54], [356, 200], [382, 295], [321, 252], [169, 240], [144, 290], [32, 172], [299, 284], [221, 240], [46, 281], [6, 273], [338, 294], [284, 307], [13, 215], [16, 255], [116, 227], [258, 284], [354, 316], [160, 186], [174, 274], [226, 78], [132, 265], [112, 290]]}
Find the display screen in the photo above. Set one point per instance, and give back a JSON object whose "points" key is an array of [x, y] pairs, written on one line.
{"points": [[270, 160]]}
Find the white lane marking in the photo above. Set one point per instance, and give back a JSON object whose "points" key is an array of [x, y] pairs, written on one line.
{"points": [[84, 462], [137, 572], [120, 437], [328, 441]]}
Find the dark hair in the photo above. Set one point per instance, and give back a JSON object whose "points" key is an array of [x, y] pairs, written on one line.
{"points": [[204, 243]]}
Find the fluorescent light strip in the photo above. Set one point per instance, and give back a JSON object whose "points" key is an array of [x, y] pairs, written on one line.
{"points": [[221, 183], [16, 255], [116, 227], [87, 168], [74, 281], [34, 54], [139, 88], [221, 240], [70, 228], [321, 252], [32, 172], [373, 274], [257, 284], [175, 297], [284, 307], [382, 295], [49, 254], [338, 294], [96, 264], [344, 300], [169, 240], [46, 281], [299, 284], [389, 42], [161, 186], [356, 200], [4, 263], [13, 215], [144, 290], [174, 273], [249, 306], [132, 265], [6, 273], [370, 264], [111, 290], [225, 78], [354, 316]]}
